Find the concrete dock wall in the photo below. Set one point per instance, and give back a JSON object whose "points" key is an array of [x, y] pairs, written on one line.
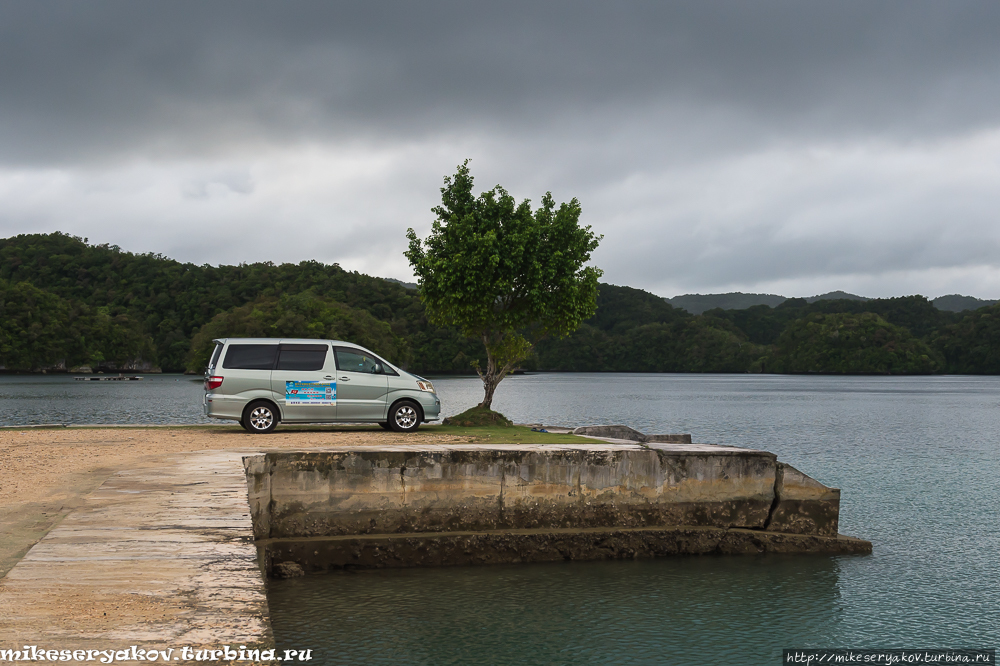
{"points": [[803, 505], [504, 498]]}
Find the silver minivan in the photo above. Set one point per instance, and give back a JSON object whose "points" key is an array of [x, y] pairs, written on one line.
{"points": [[261, 381]]}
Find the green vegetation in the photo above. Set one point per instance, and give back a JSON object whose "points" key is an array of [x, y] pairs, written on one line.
{"points": [[65, 303], [972, 344], [735, 300], [959, 303], [504, 274], [166, 303], [479, 416], [635, 331], [850, 344], [303, 315], [39, 329], [501, 435]]}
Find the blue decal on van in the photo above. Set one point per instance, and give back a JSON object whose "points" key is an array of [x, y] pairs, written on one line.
{"points": [[310, 393]]}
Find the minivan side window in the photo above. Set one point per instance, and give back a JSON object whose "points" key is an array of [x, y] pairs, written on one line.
{"points": [[355, 360], [250, 357], [302, 357]]}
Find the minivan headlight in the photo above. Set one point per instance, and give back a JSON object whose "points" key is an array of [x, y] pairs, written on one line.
{"points": [[425, 386]]}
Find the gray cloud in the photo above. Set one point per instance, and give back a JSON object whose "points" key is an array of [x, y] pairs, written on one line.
{"points": [[98, 78], [767, 144]]}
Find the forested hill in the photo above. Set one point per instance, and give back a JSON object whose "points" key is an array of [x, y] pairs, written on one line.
{"points": [[905, 335], [66, 303], [699, 303], [98, 305]]}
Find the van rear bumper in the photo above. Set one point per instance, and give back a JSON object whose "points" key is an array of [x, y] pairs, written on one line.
{"points": [[223, 407]]}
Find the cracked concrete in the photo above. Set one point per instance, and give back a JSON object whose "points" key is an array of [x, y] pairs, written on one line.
{"points": [[471, 486], [449, 498]]}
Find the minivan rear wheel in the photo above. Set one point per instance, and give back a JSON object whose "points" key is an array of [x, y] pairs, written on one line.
{"points": [[404, 416], [260, 417]]}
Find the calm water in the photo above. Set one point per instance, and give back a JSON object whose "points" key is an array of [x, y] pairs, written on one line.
{"points": [[916, 458], [917, 461], [159, 399]]}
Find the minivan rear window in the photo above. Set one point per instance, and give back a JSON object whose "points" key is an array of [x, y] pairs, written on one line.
{"points": [[250, 357], [215, 354], [302, 357]]}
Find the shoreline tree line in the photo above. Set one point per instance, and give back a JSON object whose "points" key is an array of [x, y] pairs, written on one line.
{"points": [[65, 303]]}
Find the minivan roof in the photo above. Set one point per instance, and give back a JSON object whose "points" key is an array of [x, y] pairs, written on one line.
{"points": [[304, 341]]}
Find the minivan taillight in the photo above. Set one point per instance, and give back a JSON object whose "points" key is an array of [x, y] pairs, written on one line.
{"points": [[213, 383]]}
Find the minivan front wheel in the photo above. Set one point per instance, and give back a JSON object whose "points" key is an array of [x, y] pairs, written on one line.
{"points": [[404, 416], [260, 417]]}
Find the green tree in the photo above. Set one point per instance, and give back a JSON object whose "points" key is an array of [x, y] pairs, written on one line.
{"points": [[503, 273], [851, 344], [40, 330], [972, 345], [35, 328]]}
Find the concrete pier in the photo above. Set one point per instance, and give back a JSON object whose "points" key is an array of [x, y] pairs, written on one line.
{"points": [[176, 555], [464, 504], [156, 558]]}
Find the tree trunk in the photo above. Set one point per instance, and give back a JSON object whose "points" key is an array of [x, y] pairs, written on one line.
{"points": [[491, 376], [489, 386], [503, 351]]}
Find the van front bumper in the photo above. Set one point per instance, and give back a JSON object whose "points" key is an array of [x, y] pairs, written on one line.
{"points": [[431, 405]]}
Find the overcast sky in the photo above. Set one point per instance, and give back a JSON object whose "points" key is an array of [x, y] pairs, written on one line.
{"points": [[786, 147]]}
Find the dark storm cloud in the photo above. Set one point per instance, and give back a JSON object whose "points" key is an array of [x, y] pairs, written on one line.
{"points": [[100, 79], [792, 146]]}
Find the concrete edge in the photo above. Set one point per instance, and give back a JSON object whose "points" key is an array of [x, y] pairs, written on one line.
{"points": [[297, 556]]}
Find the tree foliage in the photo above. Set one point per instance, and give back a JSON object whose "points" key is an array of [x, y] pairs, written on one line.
{"points": [[689, 344], [170, 301], [64, 302], [40, 330], [502, 273], [303, 315], [846, 343], [972, 345]]}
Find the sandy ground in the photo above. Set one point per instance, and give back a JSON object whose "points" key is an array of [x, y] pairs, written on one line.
{"points": [[45, 474]]}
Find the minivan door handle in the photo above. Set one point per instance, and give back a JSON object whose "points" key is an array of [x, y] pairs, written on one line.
{"points": [[345, 379], [328, 377]]}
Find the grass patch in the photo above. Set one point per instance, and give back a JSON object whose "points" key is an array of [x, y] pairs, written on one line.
{"points": [[503, 435], [479, 416]]}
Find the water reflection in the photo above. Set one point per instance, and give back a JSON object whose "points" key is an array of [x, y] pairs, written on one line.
{"points": [[684, 610], [157, 399]]}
